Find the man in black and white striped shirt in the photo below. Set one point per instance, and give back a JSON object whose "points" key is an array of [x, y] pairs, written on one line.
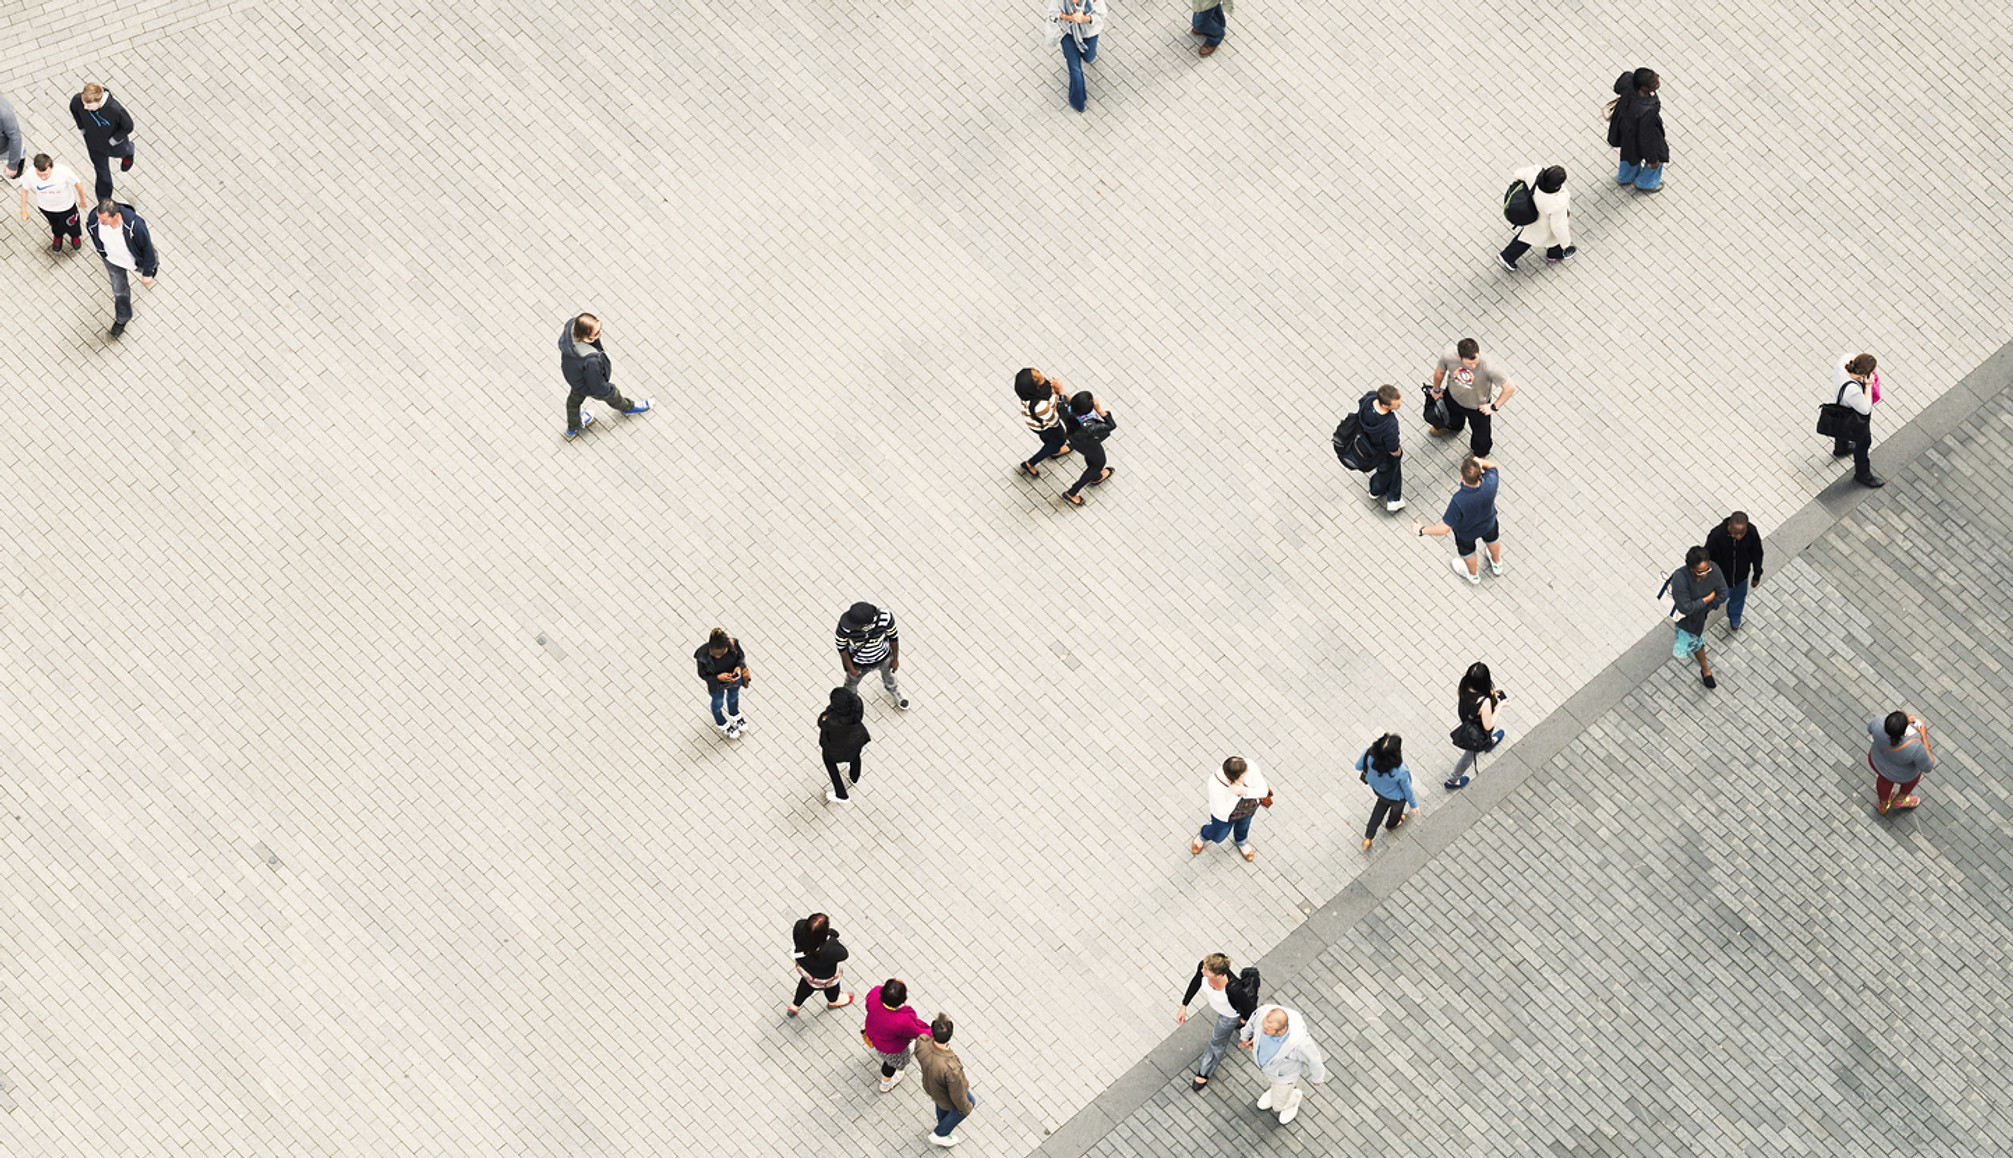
{"points": [[866, 640]]}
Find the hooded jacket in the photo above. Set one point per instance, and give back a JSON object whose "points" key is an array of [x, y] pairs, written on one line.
{"points": [[822, 963], [1298, 1056], [139, 241], [1689, 592], [1738, 559], [103, 127], [585, 364], [1552, 226], [842, 730], [1637, 126], [1380, 428]]}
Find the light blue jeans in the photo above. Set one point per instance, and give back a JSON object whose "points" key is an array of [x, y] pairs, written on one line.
{"points": [[1644, 177]]}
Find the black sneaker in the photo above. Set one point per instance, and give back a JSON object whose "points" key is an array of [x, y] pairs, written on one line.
{"points": [[118, 328], [1506, 263], [1867, 480]]}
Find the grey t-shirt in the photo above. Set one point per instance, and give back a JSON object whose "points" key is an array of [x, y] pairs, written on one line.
{"points": [[1901, 766], [1471, 388]]}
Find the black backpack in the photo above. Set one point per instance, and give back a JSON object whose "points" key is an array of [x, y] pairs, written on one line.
{"points": [[1519, 207], [1348, 443], [1093, 426], [1247, 980]]}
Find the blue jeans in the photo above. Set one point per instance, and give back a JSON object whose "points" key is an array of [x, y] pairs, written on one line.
{"points": [[1051, 442], [732, 698], [947, 1120], [1736, 603], [1644, 177], [1216, 830], [1209, 24], [1076, 58]]}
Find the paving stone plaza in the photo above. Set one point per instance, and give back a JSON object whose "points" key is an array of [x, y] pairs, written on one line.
{"points": [[360, 796]]}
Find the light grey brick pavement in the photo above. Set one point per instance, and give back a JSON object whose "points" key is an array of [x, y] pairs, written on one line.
{"points": [[1689, 933], [301, 566]]}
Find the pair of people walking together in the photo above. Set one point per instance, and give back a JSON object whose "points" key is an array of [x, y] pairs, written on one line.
{"points": [[1065, 423]]}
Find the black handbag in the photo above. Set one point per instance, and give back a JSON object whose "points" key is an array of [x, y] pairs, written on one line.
{"points": [[1471, 736], [1837, 420], [1437, 415]]}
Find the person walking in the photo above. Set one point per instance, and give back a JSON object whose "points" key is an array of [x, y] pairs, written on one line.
{"points": [[944, 1081], [816, 950], [1735, 547], [1636, 127], [60, 196], [108, 132], [126, 246], [1553, 229], [1857, 386], [842, 732], [1476, 699], [1075, 24], [12, 144], [1476, 389], [1385, 771], [867, 640], [1236, 792], [1284, 1052], [1041, 408], [723, 667], [1699, 589], [891, 1026], [1233, 999], [1899, 756], [1377, 418], [1209, 20], [1471, 517], [1088, 424], [585, 365]]}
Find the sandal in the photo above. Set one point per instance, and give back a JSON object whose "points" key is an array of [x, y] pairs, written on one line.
{"points": [[1366, 844], [1032, 472], [1074, 500], [1108, 472], [792, 1011], [841, 1004], [1195, 846], [1247, 851], [1908, 802], [1197, 1082]]}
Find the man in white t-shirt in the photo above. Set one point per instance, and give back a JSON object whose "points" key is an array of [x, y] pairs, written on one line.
{"points": [[60, 196]]}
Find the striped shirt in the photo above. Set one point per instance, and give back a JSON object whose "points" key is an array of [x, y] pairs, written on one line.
{"points": [[867, 645], [1040, 415]]}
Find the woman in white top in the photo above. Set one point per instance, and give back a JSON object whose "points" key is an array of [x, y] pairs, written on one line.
{"points": [[1235, 794], [1075, 25], [1852, 387], [60, 197]]}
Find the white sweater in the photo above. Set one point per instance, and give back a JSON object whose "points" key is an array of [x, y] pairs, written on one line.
{"points": [[1223, 795], [1552, 227]]}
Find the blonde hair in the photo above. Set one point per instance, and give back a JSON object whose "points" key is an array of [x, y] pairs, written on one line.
{"points": [[93, 91], [1218, 964]]}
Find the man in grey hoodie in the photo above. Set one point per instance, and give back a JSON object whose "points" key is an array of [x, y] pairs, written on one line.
{"points": [[1699, 589], [586, 367], [12, 144], [1280, 1045]]}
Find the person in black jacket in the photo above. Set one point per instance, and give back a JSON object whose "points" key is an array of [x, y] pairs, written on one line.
{"points": [[816, 950], [842, 732], [126, 246], [724, 668], [1376, 414], [1234, 1002], [108, 132], [1735, 547], [1636, 127], [1088, 424], [586, 367]]}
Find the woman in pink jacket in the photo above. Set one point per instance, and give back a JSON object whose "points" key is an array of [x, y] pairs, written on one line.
{"points": [[891, 1027]]}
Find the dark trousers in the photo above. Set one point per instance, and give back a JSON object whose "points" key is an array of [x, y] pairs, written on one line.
{"points": [[1857, 446], [839, 782], [576, 397], [1386, 807], [62, 221], [1482, 435], [1388, 482], [1052, 441], [1093, 464], [102, 162], [805, 989]]}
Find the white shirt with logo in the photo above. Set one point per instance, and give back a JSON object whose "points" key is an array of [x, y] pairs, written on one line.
{"points": [[56, 191]]}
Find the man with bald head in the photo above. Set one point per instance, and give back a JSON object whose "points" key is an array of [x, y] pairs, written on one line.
{"points": [[1280, 1045]]}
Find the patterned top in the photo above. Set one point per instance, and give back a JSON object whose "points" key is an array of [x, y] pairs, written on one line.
{"points": [[867, 645]]}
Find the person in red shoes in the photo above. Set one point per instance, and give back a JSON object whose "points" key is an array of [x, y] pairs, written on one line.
{"points": [[1899, 756], [817, 952]]}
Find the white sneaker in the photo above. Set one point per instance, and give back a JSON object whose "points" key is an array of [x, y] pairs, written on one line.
{"points": [[1289, 1113], [890, 1083], [1265, 1100], [726, 729], [902, 702], [1394, 505], [1495, 568], [945, 1139], [740, 723], [1461, 569], [838, 799]]}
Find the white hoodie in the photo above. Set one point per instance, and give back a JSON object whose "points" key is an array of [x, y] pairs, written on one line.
{"points": [[1298, 1056], [1552, 227]]}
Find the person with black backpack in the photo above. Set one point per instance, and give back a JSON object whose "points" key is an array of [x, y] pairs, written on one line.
{"points": [[1040, 407], [1088, 424], [1377, 417], [1537, 200], [1232, 998]]}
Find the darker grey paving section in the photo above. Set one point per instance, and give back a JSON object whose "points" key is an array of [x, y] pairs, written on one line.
{"points": [[1667, 920]]}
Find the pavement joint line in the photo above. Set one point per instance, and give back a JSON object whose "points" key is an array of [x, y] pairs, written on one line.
{"points": [[1171, 1059]]}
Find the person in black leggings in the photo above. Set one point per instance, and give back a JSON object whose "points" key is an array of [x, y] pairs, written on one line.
{"points": [[1088, 424], [818, 953], [842, 732]]}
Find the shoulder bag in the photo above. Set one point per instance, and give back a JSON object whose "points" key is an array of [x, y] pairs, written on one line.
{"points": [[1837, 420]]}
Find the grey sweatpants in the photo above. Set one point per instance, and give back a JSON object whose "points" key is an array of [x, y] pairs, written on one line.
{"points": [[860, 671]]}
